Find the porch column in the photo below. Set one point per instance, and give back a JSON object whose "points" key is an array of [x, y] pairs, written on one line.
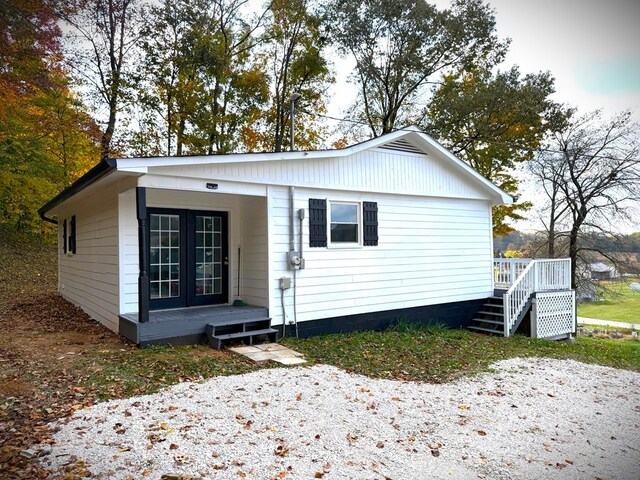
{"points": [[143, 255]]}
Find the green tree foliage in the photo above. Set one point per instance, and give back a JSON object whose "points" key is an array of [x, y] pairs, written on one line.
{"points": [[494, 121], [46, 138], [201, 81], [400, 46], [293, 55], [168, 89]]}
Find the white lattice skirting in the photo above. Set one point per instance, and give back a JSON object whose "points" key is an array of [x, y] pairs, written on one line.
{"points": [[553, 314]]}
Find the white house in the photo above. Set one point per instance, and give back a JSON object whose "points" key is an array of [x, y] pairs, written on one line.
{"points": [[317, 241]]}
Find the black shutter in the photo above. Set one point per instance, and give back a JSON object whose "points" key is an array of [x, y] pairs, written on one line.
{"points": [[370, 223], [317, 222], [72, 235], [64, 236]]}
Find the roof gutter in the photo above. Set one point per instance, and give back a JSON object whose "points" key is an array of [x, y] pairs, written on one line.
{"points": [[96, 173]]}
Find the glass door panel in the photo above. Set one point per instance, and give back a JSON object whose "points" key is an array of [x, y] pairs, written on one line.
{"points": [[188, 263], [164, 241], [210, 259]]}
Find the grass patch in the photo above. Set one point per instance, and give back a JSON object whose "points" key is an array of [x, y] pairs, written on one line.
{"points": [[135, 371], [619, 303], [435, 355]]}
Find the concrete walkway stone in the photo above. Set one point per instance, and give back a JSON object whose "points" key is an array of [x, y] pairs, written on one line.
{"points": [[607, 323], [271, 351]]}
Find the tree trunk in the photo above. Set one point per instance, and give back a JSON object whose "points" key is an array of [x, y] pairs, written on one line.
{"points": [[180, 136], [573, 252], [105, 142]]}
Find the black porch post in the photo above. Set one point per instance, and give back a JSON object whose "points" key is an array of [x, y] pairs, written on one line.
{"points": [[143, 255]]}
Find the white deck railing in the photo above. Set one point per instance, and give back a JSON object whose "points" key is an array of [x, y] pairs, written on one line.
{"points": [[541, 275], [507, 270]]}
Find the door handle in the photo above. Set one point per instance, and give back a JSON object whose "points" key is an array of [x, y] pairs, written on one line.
{"points": [[226, 261]]}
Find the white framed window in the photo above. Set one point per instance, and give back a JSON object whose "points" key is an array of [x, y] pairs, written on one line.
{"points": [[345, 223]]}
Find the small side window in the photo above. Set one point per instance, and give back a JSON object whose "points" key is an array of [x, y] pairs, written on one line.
{"points": [[72, 235], [344, 223]]}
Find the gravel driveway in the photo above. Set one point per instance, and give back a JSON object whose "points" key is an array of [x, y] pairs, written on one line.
{"points": [[528, 419]]}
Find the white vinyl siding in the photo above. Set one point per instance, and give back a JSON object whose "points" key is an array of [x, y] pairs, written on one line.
{"points": [[430, 251], [376, 170], [89, 278], [254, 252]]}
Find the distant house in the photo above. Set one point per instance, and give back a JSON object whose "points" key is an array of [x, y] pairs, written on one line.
{"points": [[168, 249], [602, 271]]}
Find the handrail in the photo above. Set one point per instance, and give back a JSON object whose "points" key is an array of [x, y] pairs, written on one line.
{"points": [[541, 275]]}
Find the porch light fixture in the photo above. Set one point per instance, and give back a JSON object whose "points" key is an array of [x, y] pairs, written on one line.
{"points": [[292, 101]]}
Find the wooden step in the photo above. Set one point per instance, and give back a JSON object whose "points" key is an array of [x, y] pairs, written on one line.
{"points": [[248, 329], [485, 320], [488, 330], [249, 333], [495, 314], [493, 305]]}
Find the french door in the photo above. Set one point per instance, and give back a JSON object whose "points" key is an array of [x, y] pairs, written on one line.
{"points": [[189, 260]]}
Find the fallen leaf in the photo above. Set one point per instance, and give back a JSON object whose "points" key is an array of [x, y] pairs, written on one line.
{"points": [[241, 474], [482, 433], [299, 397], [435, 452], [281, 450], [318, 475], [380, 445]]}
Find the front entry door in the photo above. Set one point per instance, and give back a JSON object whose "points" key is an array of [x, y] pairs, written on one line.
{"points": [[189, 261]]}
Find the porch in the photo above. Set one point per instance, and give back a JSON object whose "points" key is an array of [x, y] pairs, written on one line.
{"points": [[186, 326], [537, 290]]}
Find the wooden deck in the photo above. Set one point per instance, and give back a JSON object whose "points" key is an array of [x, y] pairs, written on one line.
{"points": [[183, 326]]}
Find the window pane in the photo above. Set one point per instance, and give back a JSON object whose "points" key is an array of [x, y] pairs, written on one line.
{"points": [[344, 233], [341, 212], [155, 222], [165, 239], [155, 289], [155, 273]]}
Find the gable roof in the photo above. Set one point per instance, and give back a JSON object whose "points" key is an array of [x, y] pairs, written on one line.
{"points": [[410, 139]]}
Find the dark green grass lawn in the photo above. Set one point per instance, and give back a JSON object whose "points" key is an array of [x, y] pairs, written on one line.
{"points": [[431, 354]]}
